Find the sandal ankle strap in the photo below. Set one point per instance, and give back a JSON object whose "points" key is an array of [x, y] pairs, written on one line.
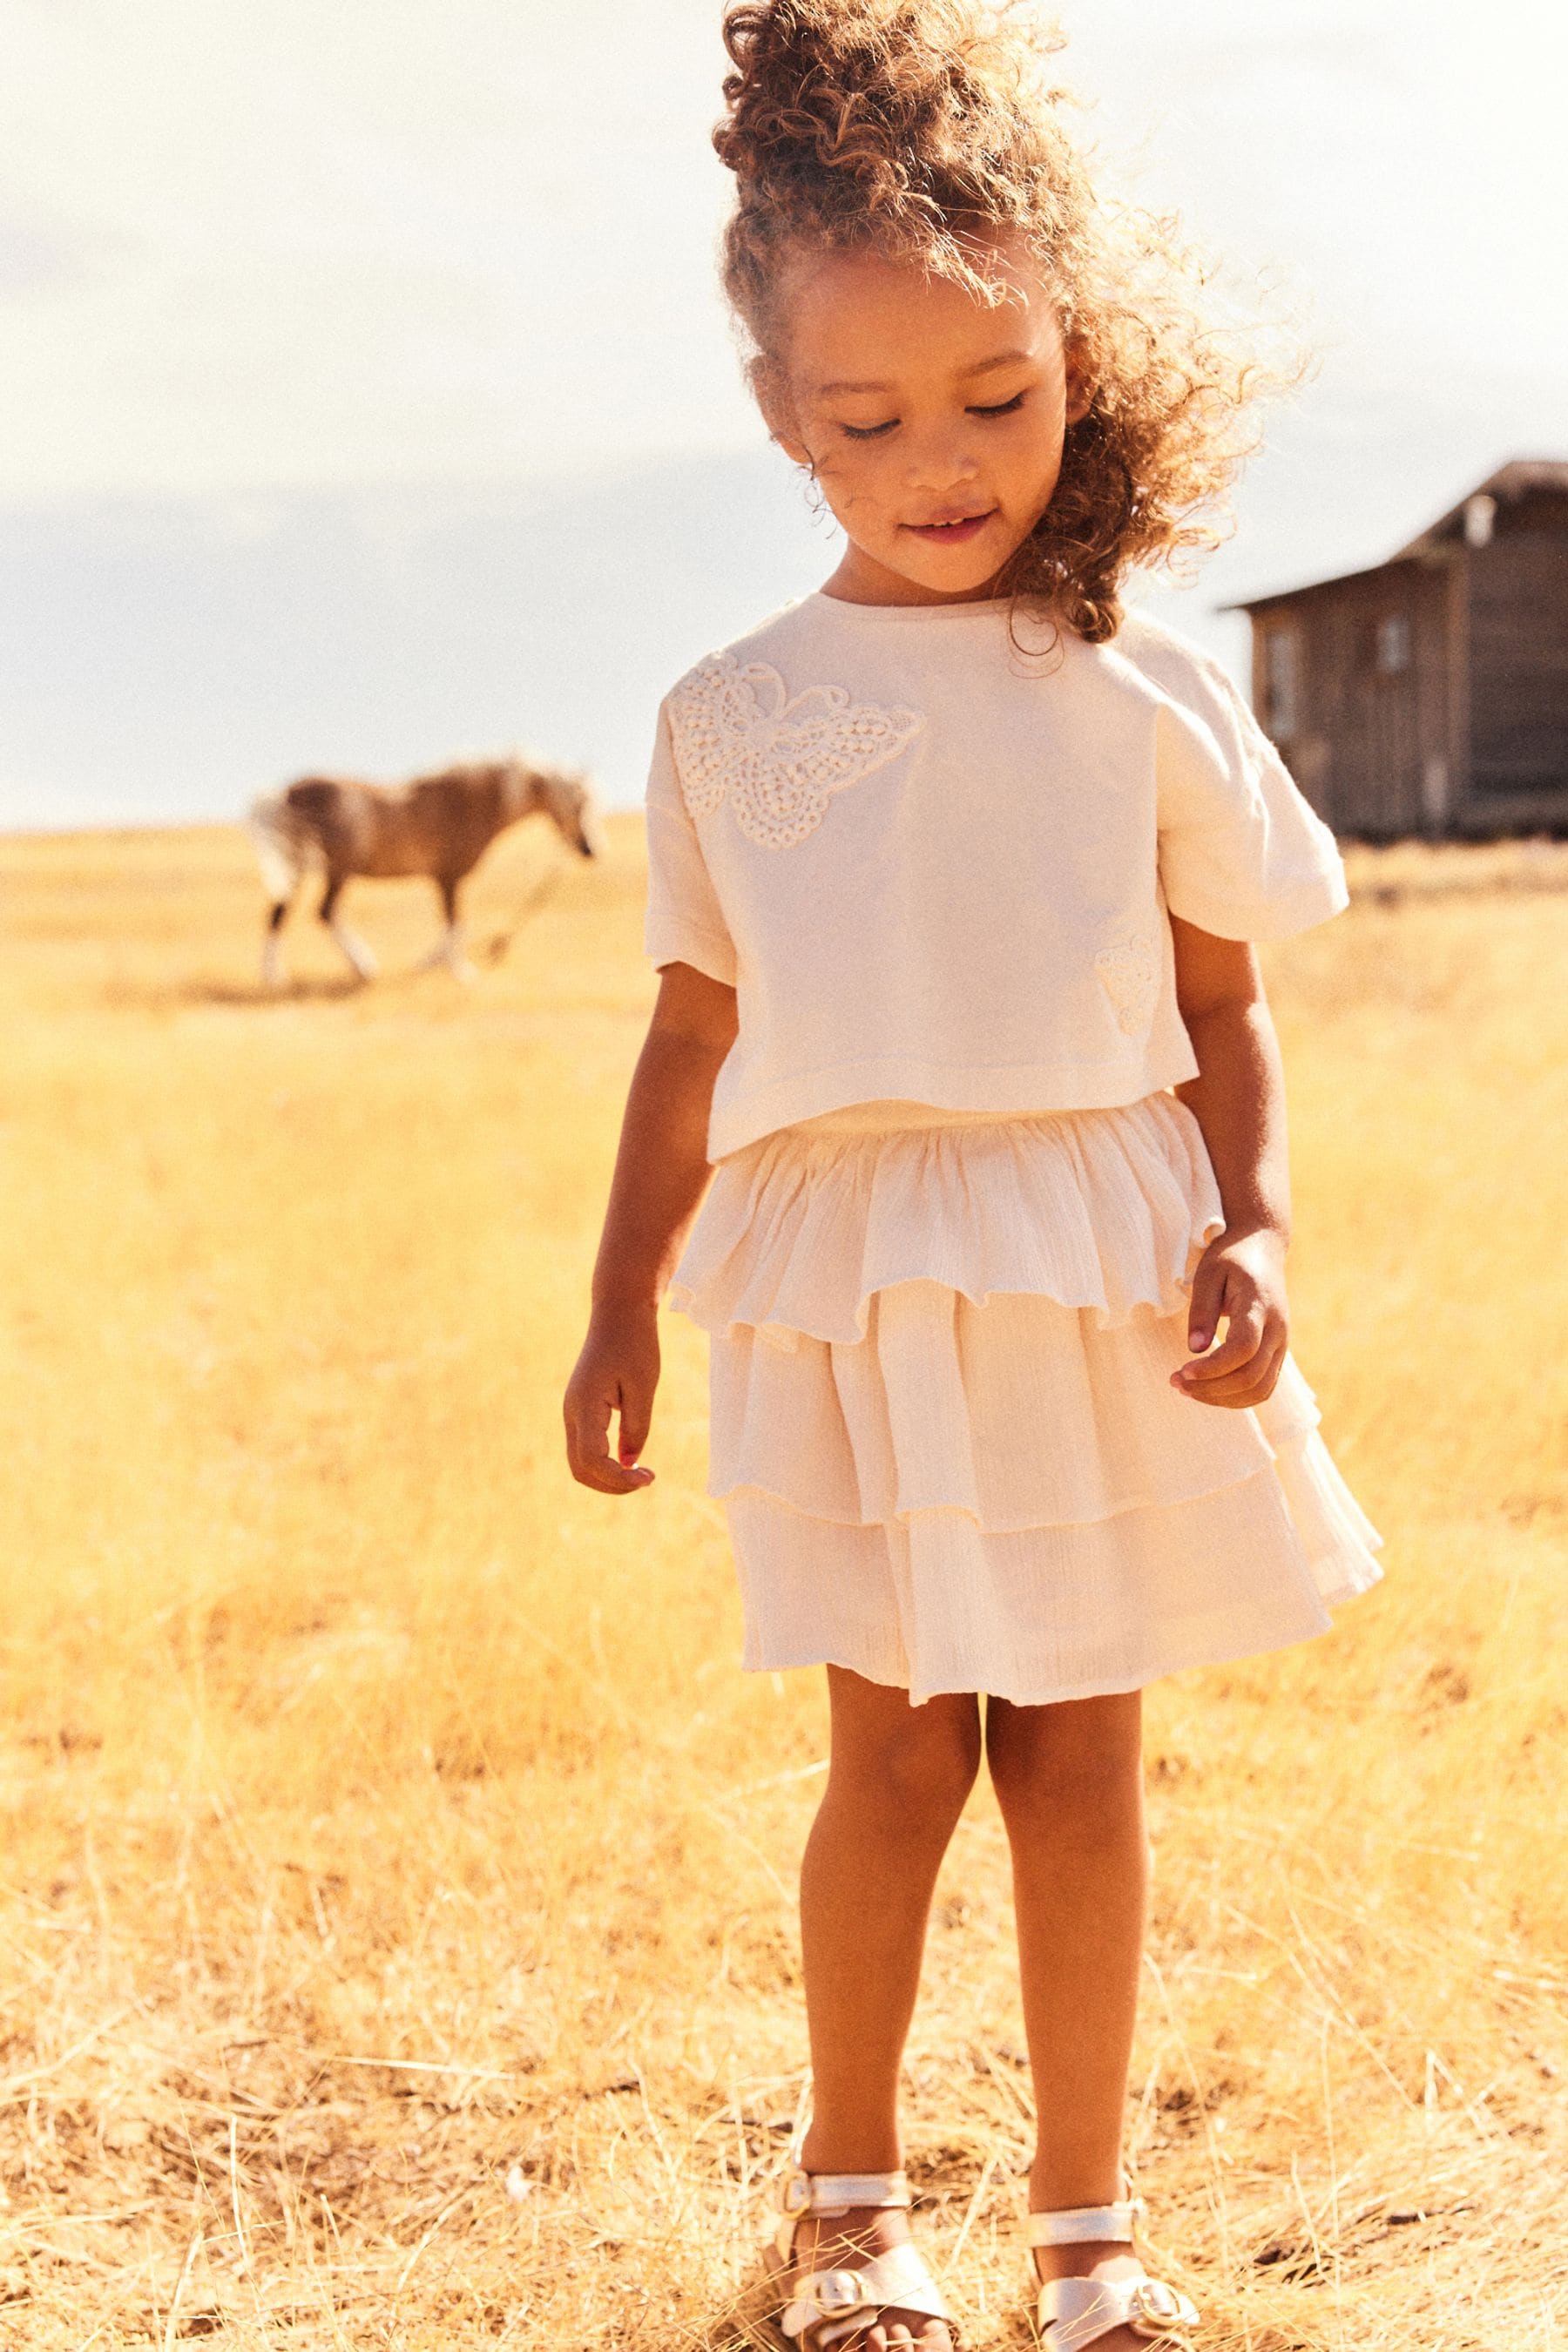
{"points": [[1082, 2225], [836, 2192]]}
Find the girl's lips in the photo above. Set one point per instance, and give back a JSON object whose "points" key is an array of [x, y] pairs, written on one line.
{"points": [[954, 533]]}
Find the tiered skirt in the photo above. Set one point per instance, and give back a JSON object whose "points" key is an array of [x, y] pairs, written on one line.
{"points": [[943, 1424]]}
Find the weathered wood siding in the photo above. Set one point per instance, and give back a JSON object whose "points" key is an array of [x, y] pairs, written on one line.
{"points": [[1519, 666], [1371, 743], [1430, 694]]}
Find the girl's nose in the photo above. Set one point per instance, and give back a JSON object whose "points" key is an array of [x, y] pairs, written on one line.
{"points": [[941, 461]]}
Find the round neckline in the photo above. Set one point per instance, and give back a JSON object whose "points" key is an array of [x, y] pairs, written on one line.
{"points": [[968, 610]]}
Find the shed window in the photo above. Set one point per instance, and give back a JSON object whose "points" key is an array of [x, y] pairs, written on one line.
{"points": [[1282, 681], [1394, 644]]}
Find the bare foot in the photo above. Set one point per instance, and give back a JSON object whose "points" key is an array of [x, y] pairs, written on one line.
{"points": [[847, 2241]]}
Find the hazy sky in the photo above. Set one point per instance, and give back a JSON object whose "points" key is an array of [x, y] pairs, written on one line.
{"points": [[255, 253], [289, 244]]}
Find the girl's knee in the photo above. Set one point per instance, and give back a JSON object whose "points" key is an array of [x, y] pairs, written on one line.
{"points": [[919, 1763], [929, 1778]]}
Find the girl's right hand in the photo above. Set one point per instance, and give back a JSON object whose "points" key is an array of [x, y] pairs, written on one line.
{"points": [[616, 1372]]}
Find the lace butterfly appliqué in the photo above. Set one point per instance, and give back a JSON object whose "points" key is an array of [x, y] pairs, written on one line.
{"points": [[1131, 969], [778, 759]]}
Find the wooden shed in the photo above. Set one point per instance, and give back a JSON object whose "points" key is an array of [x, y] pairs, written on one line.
{"points": [[1430, 694]]}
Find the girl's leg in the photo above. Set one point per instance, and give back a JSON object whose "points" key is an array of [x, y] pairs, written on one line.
{"points": [[896, 1786], [1069, 1781]]}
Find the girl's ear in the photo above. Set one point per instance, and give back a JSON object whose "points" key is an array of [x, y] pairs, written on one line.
{"points": [[1080, 387], [772, 389]]}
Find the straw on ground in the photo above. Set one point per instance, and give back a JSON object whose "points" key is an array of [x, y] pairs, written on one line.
{"points": [[396, 1906]]}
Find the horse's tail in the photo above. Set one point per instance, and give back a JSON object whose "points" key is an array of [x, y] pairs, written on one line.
{"points": [[284, 844]]}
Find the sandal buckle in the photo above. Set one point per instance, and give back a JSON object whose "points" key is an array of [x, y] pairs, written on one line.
{"points": [[1155, 2307], [838, 2291], [798, 2192]]}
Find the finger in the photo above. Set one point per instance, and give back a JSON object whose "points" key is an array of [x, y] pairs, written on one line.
{"points": [[1270, 1364], [609, 1477], [587, 1418], [1252, 1384], [636, 1414], [1203, 1374], [588, 1451], [1204, 1307], [1243, 1338], [1236, 1395]]}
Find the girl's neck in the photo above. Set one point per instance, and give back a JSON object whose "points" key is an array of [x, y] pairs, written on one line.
{"points": [[859, 579]]}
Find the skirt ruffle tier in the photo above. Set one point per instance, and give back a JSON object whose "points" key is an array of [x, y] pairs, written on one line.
{"points": [[943, 1424]]}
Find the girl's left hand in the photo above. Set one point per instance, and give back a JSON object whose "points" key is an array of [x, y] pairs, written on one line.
{"points": [[1241, 1278]]}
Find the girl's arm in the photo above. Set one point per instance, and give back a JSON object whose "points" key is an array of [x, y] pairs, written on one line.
{"points": [[1238, 1098], [661, 1173]]}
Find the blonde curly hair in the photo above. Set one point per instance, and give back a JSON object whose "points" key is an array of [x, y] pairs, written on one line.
{"points": [[923, 129]]}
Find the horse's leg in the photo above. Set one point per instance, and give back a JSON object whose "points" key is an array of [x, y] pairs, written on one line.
{"points": [[279, 841], [272, 972], [353, 946], [450, 949]]}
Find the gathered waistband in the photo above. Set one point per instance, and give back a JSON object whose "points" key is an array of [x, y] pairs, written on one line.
{"points": [[892, 1117]]}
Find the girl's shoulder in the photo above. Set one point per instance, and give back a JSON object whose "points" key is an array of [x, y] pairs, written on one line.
{"points": [[1184, 673], [767, 642]]}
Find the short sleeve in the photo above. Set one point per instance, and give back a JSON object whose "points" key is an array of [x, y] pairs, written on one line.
{"points": [[685, 923], [1241, 852]]}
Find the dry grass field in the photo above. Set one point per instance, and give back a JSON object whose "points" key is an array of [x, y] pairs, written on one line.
{"points": [[396, 1906]]}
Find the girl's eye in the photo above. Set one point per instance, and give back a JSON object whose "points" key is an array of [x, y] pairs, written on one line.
{"points": [[876, 432]]}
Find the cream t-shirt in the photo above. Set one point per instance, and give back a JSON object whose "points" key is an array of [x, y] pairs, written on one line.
{"points": [[936, 867]]}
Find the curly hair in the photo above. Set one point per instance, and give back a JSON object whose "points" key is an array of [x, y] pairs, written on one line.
{"points": [[920, 129]]}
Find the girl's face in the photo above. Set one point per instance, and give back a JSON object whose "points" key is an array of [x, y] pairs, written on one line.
{"points": [[932, 420]]}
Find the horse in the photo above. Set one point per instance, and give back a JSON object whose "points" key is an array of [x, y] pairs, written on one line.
{"points": [[439, 824]]}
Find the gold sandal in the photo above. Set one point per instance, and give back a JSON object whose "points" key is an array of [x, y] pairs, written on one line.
{"points": [[823, 2308], [1075, 2312]]}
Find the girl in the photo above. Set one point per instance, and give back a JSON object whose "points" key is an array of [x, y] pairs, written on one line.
{"points": [[954, 867]]}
